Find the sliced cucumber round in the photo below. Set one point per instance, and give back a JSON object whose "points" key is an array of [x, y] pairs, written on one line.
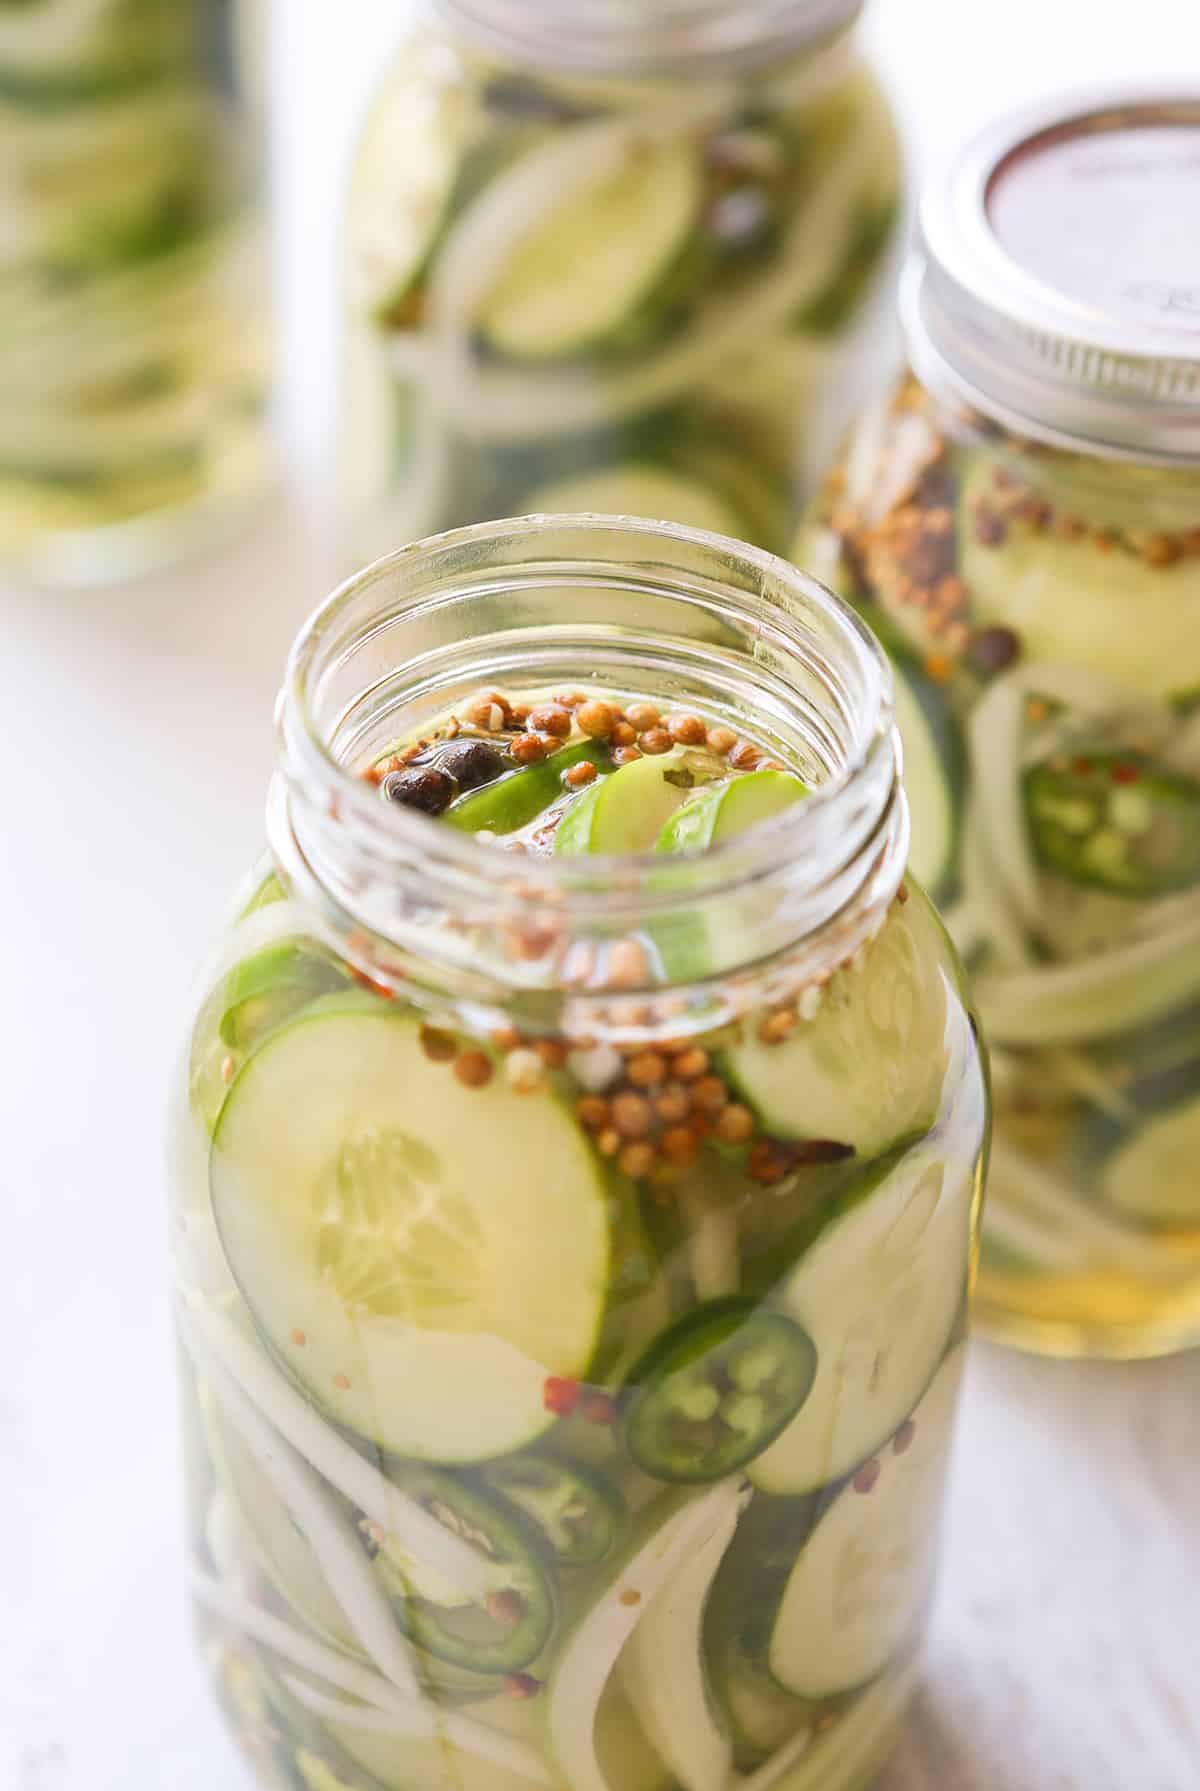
{"points": [[1070, 601], [870, 1067], [879, 1292], [935, 777], [627, 811], [727, 809], [588, 266], [1150, 1176], [639, 488], [863, 1581], [354, 1188]]}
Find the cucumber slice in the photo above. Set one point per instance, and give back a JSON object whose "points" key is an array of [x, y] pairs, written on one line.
{"points": [[880, 1292], [1150, 1175], [354, 1188], [716, 1390], [579, 1514], [663, 1671], [863, 1581], [870, 1067], [667, 1537], [585, 269], [1070, 601], [626, 812], [512, 802], [639, 488], [468, 1635], [762, 1716], [935, 777], [727, 809]]}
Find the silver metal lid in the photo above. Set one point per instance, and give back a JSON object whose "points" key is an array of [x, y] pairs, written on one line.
{"points": [[1057, 289], [622, 37]]}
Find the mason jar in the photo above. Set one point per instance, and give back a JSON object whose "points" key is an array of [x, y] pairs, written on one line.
{"points": [[133, 361], [573, 1237], [621, 259], [1020, 521]]}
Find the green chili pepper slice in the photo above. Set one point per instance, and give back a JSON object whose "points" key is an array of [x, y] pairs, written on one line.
{"points": [[715, 1390], [516, 799], [271, 986], [579, 1514], [512, 1626], [1116, 821]]}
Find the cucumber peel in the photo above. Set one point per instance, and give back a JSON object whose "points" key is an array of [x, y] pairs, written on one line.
{"points": [[626, 812], [729, 808]]}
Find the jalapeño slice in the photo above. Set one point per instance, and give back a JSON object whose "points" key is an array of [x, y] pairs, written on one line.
{"points": [[519, 797], [268, 988], [512, 1626], [1117, 821], [715, 1390], [578, 1513]]}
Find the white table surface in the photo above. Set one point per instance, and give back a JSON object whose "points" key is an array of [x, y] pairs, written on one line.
{"points": [[1066, 1653]]}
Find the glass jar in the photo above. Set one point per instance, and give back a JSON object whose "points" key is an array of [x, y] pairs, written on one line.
{"points": [[133, 361], [630, 260], [573, 1251], [1020, 521]]}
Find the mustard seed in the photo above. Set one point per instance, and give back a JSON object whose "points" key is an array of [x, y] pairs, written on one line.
{"points": [[679, 1146], [673, 1104], [597, 719], [646, 1069], [439, 1047], [550, 718], [623, 734], [473, 1069], [636, 1160], [735, 1125], [721, 740], [690, 1063], [655, 741], [592, 1111], [632, 1114], [642, 716], [776, 1027], [687, 730], [577, 776], [524, 1072], [552, 1052], [628, 967], [709, 1095], [609, 1142], [625, 755], [527, 749], [744, 756]]}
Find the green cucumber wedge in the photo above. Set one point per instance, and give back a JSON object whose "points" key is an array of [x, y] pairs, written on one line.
{"points": [[1149, 1175], [880, 1292], [1071, 601], [639, 488], [627, 811], [518, 798], [863, 1581], [584, 269], [353, 1184], [935, 770], [729, 808], [869, 1067]]}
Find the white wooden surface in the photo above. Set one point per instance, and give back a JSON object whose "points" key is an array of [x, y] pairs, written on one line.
{"points": [[137, 742]]}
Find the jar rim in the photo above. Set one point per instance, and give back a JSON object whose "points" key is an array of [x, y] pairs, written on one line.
{"points": [[614, 37], [826, 847]]}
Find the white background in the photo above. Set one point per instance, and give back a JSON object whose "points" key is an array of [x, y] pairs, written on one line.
{"points": [[135, 752]]}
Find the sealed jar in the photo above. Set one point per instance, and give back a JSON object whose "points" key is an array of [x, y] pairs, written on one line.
{"points": [[621, 259], [1020, 521], [577, 1173], [133, 364]]}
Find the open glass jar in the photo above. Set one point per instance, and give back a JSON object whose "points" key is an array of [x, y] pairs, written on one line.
{"points": [[573, 1248], [629, 259], [133, 362], [1021, 522]]}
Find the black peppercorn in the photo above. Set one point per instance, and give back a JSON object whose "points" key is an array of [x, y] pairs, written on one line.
{"points": [[422, 786], [470, 763]]}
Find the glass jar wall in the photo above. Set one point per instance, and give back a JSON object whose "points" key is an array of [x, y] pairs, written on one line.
{"points": [[1020, 521], [573, 1249], [133, 361], [628, 265]]}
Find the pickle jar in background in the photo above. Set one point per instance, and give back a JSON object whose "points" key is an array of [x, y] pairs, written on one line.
{"points": [[573, 1249], [1020, 522], [633, 260], [133, 355]]}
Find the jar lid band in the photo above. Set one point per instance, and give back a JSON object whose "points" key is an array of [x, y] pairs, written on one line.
{"points": [[1057, 287]]}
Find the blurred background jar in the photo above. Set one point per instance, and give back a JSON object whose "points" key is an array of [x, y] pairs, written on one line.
{"points": [[133, 354], [616, 257], [1020, 522]]}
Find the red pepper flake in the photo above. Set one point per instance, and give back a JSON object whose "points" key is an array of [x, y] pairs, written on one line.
{"points": [[369, 983], [1082, 767], [1126, 774], [630, 1597], [341, 1382], [903, 1439], [299, 1339], [939, 667], [598, 1408], [560, 1395], [522, 1686], [867, 1478]]}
